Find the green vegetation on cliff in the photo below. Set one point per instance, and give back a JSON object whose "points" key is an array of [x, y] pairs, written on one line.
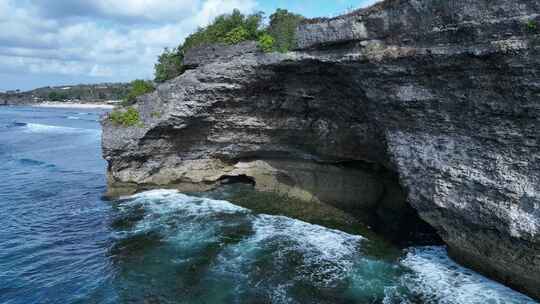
{"points": [[128, 118], [283, 29], [169, 64], [233, 28], [266, 43], [138, 87]]}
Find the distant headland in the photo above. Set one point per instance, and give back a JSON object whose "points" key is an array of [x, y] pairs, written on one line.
{"points": [[69, 95]]}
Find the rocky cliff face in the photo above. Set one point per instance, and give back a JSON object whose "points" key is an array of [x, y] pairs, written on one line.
{"points": [[442, 96]]}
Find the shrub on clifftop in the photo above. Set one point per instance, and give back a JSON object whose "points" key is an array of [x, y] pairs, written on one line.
{"points": [[128, 118], [232, 29], [266, 43], [236, 36], [282, 28], [224, 27], [138, 88], [169, 65]]}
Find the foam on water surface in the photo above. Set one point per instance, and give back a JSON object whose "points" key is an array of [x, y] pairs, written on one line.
{"points": [[437, 278], [328, 243], [167, 201], [282, 260], [327, 254], [42, 128], [81, 118]]}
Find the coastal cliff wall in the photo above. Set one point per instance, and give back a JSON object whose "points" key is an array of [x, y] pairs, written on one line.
{"points": [[442, 96]]}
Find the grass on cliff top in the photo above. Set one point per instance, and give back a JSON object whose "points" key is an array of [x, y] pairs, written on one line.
{"points": [[126, 118]]}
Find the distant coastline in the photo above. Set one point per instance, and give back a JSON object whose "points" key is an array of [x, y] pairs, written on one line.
{"points": [[68, 96]]}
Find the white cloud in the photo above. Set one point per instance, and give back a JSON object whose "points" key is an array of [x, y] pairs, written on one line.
{"points": [[213, 8], [155, 10], [102, 44], [101, 71]]}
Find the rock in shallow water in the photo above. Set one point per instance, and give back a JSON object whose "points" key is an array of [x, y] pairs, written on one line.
{"points": [[444, 94]]}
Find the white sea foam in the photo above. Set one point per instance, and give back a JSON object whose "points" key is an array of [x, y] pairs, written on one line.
{"points": [[40, 128], [69, 105], [319, 244], [438, 279], [279, 294], [80, 118], [327, 255], [183, 219], [321, 257], [167, 201]]}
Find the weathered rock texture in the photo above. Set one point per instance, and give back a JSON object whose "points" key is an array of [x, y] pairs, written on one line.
{"points": [[444, 93]]}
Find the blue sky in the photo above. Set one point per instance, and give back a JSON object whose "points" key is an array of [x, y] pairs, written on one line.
{"points": [[51, 42], [314, 8]]}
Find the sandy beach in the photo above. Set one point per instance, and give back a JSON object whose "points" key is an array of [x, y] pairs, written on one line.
{"points": [[75, 105]]}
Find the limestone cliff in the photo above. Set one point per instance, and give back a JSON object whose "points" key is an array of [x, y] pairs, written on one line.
{"points": [[443, 96]]}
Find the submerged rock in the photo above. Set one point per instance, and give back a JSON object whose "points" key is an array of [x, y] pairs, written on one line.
{"points": [[443, 94]]}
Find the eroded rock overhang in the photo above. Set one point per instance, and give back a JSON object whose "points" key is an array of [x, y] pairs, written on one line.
{"points": [[443, 93]]}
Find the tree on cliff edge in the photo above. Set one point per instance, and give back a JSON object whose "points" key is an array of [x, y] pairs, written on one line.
{"points": [[169, 65], [232, 29], [283, 29]]}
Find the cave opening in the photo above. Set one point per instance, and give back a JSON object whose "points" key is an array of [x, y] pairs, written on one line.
{"points": [[367, 191], [358, 144], [237, 179], [392, 216]]}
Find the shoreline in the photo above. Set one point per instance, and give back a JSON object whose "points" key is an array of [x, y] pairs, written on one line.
{"points": [[72, 105]]}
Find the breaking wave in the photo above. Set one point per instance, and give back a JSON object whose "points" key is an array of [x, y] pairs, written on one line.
{"points": [[40, 128], [245, 257], [437, 279], [80, 118], [35, 128]]}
